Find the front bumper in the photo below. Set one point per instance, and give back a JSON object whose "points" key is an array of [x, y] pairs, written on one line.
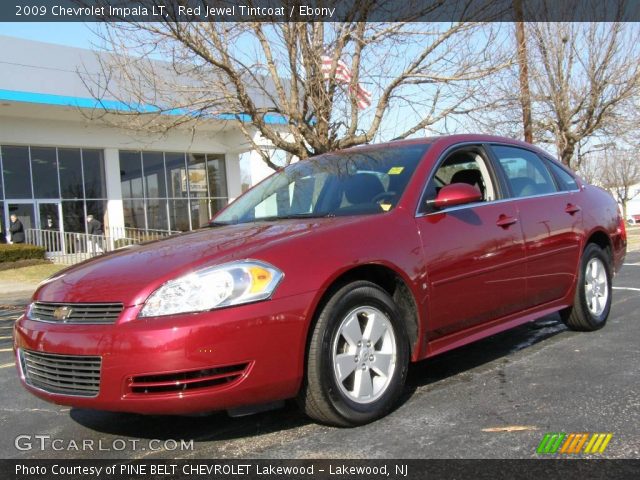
{"points": [[178, 364]]}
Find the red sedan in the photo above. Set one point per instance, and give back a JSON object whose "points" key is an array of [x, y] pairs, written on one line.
{"points": [[325, 280]]}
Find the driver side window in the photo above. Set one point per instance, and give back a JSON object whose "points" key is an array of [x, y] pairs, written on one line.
{"points": [[463, 166]]}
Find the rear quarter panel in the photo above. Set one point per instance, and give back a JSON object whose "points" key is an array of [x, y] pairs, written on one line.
{"points": [[601, 214]]}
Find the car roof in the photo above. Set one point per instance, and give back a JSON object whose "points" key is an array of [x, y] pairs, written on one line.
{"points": [[447, 140]]}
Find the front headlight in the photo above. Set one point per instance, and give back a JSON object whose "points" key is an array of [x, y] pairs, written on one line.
{"points": [[213, 287]]}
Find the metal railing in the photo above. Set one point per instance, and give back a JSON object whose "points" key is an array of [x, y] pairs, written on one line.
{"points": [[70, 248]]}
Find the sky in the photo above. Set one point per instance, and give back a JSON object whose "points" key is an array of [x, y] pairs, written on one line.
{"points": [[74, 34]]}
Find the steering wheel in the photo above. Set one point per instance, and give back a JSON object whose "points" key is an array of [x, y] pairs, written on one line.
{"points": [[382, 196]]}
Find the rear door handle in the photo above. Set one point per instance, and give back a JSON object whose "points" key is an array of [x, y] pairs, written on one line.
{"points": [[504, 221], [572, 209]]}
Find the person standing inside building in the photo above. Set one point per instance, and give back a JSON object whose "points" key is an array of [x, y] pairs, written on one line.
{"points": [[94, 228], [16, 229]]}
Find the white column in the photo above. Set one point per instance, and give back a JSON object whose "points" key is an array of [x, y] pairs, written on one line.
{"points": [[234, 180], [114, 191]]}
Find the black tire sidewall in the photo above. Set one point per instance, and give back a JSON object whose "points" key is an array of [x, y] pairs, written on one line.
{"points": [[593, 251], [362, 294]]}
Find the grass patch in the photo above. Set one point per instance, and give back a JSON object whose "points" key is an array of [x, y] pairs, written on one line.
{"points": [[22, 263], [31, 274]]}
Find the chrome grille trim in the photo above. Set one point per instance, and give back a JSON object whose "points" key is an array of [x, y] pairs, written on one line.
{"points": [[81, 313], [74, 375]]}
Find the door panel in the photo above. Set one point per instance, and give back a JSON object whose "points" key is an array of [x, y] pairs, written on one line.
{"points": [[49, 216], [551, 226], [475, 266], [551, 221]]}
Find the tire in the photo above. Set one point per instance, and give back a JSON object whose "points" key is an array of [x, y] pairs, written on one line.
{"points": [[585, 315], [338, 392]]}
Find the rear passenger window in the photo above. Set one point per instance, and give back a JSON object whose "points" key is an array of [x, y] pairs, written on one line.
{"points": [[564, 178], [526, 173]]}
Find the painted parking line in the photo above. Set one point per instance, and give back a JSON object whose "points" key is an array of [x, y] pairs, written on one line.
{"points": [[631, 264], [7, 365], [6, 338], [627, 288], [6, 350]]}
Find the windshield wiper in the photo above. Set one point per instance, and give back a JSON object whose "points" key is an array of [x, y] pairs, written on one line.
{"points": [[293, 216], [220, 224]]}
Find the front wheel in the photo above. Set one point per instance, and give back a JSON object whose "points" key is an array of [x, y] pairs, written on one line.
{"points": [[592, 301], [357, 359]]}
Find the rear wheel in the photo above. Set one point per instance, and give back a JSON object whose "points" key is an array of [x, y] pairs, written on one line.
{"points": [[358, 357], [592, 301]]}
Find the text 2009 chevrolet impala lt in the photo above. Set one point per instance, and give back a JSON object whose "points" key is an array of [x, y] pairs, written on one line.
{"points": [[325, 280]]}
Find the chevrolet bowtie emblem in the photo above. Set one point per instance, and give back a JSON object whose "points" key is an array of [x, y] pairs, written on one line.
{"points": [[62, 313]]}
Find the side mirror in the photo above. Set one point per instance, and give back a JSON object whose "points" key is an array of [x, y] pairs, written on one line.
{"points": [[456, 194]]}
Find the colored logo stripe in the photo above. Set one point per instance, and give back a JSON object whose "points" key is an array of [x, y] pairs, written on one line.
{"points": [[598, 443], [574, 443], [550, 442]]}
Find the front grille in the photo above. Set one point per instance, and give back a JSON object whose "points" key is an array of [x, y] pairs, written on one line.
{"points": [[189, 380], [85, 313], [77, 375]]}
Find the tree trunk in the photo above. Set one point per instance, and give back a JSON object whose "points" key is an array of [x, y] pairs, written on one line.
{"points": [[566, 155], [525, 93]]}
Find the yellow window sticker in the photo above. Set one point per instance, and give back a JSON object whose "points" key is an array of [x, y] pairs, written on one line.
{"points": [[395, 170], [385, 206]]}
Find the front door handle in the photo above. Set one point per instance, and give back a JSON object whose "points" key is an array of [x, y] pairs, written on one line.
{"points": [[505, 221], [572, 209]]}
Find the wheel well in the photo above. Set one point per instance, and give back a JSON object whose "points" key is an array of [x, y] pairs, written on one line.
{"points": [[602, 240], [388, 280]]}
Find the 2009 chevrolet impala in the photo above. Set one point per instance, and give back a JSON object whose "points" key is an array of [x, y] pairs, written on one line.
{"points": [[325, 280]]}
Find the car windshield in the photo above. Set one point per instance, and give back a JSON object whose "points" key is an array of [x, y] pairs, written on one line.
{"points": [[357, 182]]}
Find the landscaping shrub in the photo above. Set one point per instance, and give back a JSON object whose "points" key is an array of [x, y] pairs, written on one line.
{"points": [[20, 251]]}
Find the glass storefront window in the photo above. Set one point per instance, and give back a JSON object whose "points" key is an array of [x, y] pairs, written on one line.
{"points": [[134, 214], [179, 215], [217, 204], [93, 169], [199, 212], [3, 227], [157, 213], [175, 189], [198, 186], [70, 165], [44, 168], [16, 172], [73, 216], [131, 174], [217, 176], [155, 182], [176, 175]]}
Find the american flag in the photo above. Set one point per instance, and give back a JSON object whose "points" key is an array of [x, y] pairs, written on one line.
{"points": [[343, 76]]}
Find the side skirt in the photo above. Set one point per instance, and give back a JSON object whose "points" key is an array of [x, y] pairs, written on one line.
{"points": [[478, 332]]}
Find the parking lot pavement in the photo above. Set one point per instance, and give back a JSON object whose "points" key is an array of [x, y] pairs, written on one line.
{"points": [[539, 377]]}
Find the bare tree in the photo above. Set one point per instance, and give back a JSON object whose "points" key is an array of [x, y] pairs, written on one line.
{"points": [[417, 74], [584, 76], [584, 80], [621, 176]]}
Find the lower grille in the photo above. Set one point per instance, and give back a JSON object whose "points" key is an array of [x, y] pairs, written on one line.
{"points": [[76, 375], [189, 380], [87, 313]]}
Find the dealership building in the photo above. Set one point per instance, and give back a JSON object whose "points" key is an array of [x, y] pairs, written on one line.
{"points": [[59, 165]]}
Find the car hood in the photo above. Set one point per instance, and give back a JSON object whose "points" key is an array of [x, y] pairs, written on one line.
{"points": [[129, 275]]}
